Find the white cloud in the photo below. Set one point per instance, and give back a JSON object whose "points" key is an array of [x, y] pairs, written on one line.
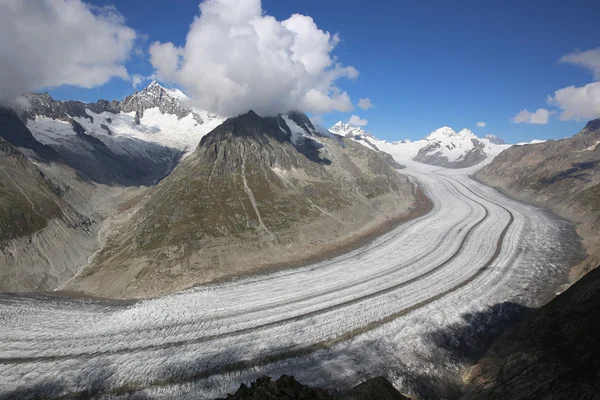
{"points": [[539, 117], [48, 43], [137, 79], [365, 104], [589, 59], [358, 121], [238, 58], [578, 102], [481, 124]]}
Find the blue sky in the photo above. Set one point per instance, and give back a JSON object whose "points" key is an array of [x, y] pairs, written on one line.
{"points": [[423, 64]]}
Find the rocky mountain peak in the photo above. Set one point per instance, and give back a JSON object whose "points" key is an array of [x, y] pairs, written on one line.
{"points": [[441, 133], [592, 126], [348, 130], [168, 101], [494, 139], [248, 125], [302, 121]]}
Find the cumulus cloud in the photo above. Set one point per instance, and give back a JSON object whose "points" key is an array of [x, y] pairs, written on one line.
{"points": [[481, 124], [48, 43], [578, 102], [539, 117], [365, 103], [589, 59], [237, 58], [358, 121], [137, 79]]}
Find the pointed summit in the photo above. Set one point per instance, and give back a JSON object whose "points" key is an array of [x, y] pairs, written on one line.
{"points": [[349, 130], [441, 133], [168, 101]]}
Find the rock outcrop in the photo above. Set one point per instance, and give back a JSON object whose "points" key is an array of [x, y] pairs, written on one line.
{"points": [[286, 387]]}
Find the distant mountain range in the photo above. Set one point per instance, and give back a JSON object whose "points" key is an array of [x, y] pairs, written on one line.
{"points": [[443, 147]]}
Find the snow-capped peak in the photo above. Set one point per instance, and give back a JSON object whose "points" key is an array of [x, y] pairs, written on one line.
{"points": [[467, 133], [343, 129], [494, 139], [441, 133]]}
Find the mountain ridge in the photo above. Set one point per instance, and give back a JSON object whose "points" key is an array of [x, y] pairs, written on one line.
{"points": [[443, 147], [255, 192], [560, 174]]}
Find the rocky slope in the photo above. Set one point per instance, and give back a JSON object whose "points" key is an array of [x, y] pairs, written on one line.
{"points": [[553, 354], [42, 238], [257, 193], [563, 175]]}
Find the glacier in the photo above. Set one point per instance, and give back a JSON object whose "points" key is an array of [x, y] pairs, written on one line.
{"points": [[369, 312]]}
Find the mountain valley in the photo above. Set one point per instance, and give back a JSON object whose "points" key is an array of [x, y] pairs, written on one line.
{"points": [[164, 251]]}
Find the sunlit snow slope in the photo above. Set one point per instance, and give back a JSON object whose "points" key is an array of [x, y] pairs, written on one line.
{"points": [[374, 311]]}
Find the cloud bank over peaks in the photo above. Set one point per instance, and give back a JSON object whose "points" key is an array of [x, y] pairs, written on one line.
{"points": [[237, 58], [48, 43]]}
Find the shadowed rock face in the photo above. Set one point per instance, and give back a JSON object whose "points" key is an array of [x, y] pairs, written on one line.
{"points": [[247, 199], [14, 131], [287, 387], [563, 175], [554, 353]]}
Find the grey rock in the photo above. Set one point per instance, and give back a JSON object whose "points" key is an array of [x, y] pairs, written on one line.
{"points": [[494, 139]]}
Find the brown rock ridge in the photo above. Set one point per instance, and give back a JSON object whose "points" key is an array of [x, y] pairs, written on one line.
{"points": [[254, 195], [563, 175]]}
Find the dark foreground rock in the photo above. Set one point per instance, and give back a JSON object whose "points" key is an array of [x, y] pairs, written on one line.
{"points": [[287, 387], [553, 354]]}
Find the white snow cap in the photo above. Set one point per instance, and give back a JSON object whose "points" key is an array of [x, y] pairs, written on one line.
{"points": [[343, 129], [445, 132], [441, 133]]}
